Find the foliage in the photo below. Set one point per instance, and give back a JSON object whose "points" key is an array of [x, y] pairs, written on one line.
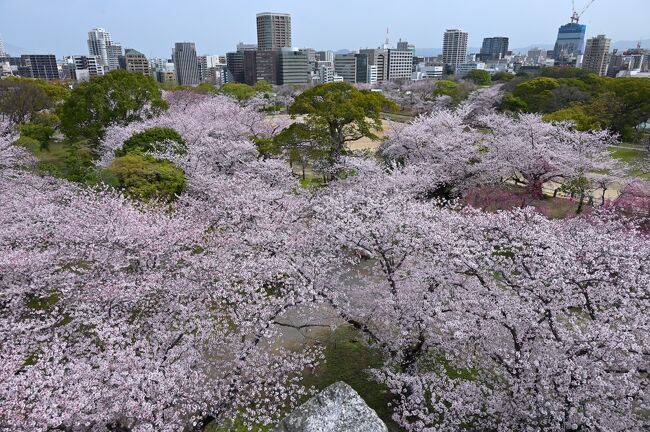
{"points": [[618, 104], [503, 76], [119, 97], [239, 91], [144, 178], [22, 98], [262, 86], [41, 133], [337, 113], [155, 139], [479, 77], [118, 315]]}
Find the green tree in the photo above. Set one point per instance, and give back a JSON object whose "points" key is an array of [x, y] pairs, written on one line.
{"points": [[262, 86], [239, 91], [22, 98], [119, 97], [503, 76], [513, 103], [578, 115], [479, 77], [144, 178], [156, 139], [537, 92], [337, 113]]}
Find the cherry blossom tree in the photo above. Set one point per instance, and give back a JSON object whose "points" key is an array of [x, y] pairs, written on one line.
{"points": [[123, 316], [502, 149], [134, 318], [503, 321]]}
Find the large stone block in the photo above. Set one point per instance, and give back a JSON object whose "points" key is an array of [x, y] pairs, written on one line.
{"points": [[338, 408]]}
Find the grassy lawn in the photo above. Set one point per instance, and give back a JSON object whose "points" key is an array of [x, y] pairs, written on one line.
{"points": [[400, 118], [347, 358], [628, 155], [637, 159], [61, 159]]}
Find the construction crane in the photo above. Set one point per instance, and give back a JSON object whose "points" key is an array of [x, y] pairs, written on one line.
{"points": [[575, 17]]}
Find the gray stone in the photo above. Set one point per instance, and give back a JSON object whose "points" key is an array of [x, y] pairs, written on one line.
{"points": [[338, 408]]}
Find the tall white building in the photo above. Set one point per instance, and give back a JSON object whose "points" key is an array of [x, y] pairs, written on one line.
{"points": [[101, 45], [326, 74], [372, 74], [454, 48], [3, 53]]}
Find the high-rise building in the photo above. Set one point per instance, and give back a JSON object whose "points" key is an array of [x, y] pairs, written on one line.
{"points": [[293, 67], [273, 31], [570, 43], [136, 62], [378, 57], [186, 64], [454, 48], [345, 65], [494, 48], [98, 41], [597, 55], [266, 66], [101, 45], [115, 56], [3, 53], [235, 62], [400, 64], [41, 66], [82, 68]]}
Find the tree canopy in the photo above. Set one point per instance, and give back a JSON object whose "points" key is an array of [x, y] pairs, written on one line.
{"points": [[337, 113], [119, 97]]}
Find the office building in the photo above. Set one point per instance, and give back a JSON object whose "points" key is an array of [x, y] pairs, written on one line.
{"points": [[135, 61], [426, 71], [41, 66], [570, 44], [267, 66], [536, 56], [372, 74], [235, 62], [293, 67], [345, 65], [3, 52], [463, 69], [454, 48], [101, 45], [98, 41], [186, 64], [494, 48], [116, 58], [378, 57], [273, 31], [596, 57], [325, 56], [83, 68], [400, 64], [326, 73]]}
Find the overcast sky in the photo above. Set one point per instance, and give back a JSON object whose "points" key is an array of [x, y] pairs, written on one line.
{"points": [[152, 26]]}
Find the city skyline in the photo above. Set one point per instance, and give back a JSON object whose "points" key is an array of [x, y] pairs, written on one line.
{"points": [[327, 28]]}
